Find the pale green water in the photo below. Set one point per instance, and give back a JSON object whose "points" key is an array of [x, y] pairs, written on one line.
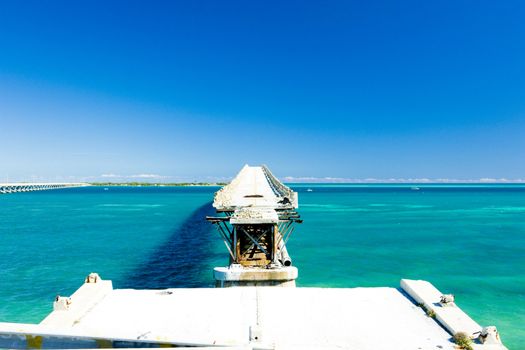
{"points": [[467, 240]]}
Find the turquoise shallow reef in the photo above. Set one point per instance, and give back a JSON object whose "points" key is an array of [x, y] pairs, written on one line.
{"points": [[466, 239]]}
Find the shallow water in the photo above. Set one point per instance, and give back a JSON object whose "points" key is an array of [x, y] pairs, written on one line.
{"points": [[467, 240]]}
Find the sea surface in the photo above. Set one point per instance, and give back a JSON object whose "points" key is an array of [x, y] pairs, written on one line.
{"points": [[468, 240]]}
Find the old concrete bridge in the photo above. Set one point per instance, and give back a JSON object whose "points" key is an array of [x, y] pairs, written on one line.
{"points": [[28, 187]]}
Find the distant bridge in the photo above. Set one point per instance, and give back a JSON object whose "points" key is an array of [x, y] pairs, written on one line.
{"points": [[28, 187]]}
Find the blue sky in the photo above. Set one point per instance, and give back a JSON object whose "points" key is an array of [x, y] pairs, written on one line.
{"points": [[192, 90]]}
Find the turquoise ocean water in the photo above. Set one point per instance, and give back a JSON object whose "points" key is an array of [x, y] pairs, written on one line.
{"points": [[468, 240]]}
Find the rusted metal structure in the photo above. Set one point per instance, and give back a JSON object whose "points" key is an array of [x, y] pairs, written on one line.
{"points": [[256, 218]]}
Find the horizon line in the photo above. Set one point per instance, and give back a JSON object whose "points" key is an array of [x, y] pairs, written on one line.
{"points": [[290, 179], [162, 179]]}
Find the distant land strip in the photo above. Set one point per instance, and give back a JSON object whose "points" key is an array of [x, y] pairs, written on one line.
{"points": [[160, 184]]}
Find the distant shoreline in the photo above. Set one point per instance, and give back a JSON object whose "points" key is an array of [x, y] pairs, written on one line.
{"points": [[156, 184], [313, 184]]}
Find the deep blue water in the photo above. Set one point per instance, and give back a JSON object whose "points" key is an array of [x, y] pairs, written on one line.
{"points": [[467, 240]]}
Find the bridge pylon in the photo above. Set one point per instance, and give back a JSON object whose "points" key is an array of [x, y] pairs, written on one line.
{"points": [[256, 216]]}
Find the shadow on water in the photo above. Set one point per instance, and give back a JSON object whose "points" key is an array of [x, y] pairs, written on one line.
{"points": [[181, 259]]}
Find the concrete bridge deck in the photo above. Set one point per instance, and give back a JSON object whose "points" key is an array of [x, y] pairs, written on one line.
{"points": [[255, 186], [28, 187], [248, 318]]}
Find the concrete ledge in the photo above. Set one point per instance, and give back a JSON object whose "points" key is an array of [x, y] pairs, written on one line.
{"points": [[239, 273], [68, 311], [449, 315], [31, 336]]}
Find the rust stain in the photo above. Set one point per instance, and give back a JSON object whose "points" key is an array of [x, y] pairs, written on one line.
{"points": [[34, 342], [104, 343]]}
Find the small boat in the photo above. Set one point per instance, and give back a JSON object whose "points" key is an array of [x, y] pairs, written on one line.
{"points": [[415, 188], [105, 188], [309, 190]]}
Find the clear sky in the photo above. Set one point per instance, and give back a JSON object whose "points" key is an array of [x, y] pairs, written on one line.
{"points": [[192, 90]]}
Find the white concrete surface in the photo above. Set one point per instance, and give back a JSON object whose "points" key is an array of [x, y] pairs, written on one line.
{"points": [[84, 299], [248, 317], [31, 336], [449, 314], [254, 215], [239, 273], [252, 187], [258, 317]]}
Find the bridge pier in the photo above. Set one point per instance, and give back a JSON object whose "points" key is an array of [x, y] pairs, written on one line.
{"points": [[256, 213]]}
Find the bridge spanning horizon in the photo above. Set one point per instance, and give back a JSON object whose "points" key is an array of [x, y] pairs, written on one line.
{"points": [[36, 186]]}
